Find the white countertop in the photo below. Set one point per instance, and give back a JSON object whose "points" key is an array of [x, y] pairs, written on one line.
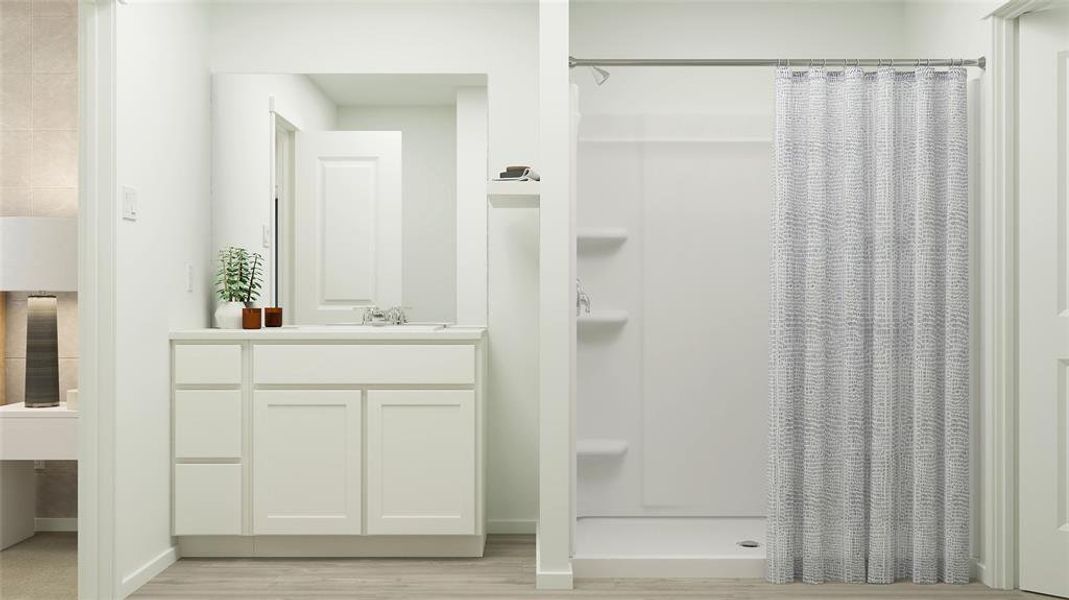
{"points": [[335, 332], [20, 410]]}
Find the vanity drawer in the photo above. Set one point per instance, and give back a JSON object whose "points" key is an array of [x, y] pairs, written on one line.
{"points": [[207, 364], [360, 364], [207, 423], [207, 499]]}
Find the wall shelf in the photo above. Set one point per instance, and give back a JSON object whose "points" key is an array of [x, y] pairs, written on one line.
{"points": [[513, 194], [590, 237], [600, 448], [603, 318]]}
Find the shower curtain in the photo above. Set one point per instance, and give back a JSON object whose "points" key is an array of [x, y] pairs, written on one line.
{"points": [[869, 347]]}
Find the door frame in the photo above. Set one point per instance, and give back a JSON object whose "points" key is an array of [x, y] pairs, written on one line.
{"points": [[97, 233], [999, 289]]}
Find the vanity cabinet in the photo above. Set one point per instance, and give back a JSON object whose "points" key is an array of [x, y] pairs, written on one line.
{"points": [[328, 443]]}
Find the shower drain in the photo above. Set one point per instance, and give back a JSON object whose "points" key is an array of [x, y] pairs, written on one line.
{"points": [[749, 544]]}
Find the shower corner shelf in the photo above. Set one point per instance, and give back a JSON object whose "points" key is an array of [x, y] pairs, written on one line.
{"points": [[513, 194], [603, 317], [600, 236], [600, 448]]}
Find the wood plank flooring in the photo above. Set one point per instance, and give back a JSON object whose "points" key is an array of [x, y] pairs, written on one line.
{"points": [[505, 573]]}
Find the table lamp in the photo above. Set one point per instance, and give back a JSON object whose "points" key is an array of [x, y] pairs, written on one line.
{"points": [[39, 255]]}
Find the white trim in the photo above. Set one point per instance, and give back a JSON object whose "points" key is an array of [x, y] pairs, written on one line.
{"points": [[512, 526], [998, 315], [1015, 8], [662, 567], [556, 303], [55, 524], [96, 300], [147, 571], [551, 580]]}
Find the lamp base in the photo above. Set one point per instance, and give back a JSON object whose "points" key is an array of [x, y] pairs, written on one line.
{"points": [[42, 353]]}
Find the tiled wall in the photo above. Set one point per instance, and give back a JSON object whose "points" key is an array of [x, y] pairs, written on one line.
{"points": [[39, 177]]}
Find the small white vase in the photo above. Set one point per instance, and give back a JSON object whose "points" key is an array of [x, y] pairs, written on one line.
{"points": [[228, 315]]}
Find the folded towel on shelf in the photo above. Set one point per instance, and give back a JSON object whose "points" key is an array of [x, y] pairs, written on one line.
{"points": [[518, 173]]}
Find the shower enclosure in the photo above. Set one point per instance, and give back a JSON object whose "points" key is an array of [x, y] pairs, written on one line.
{"points": [[673, 204], [672, 240]]}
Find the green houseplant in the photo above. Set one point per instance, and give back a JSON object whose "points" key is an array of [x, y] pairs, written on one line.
{"points": [[238, 282]]}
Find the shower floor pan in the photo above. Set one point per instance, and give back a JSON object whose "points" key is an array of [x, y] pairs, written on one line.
{"points": [[683, 547]]}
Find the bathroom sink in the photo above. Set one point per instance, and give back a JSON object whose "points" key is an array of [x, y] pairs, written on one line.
{"points": [[410, 327]]}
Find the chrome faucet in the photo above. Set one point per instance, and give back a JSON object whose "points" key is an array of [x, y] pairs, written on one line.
{"points": [[373, 315], [582, 299]]}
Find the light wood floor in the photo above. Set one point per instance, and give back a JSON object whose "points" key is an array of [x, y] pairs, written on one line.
{"points": [[506, 572]]}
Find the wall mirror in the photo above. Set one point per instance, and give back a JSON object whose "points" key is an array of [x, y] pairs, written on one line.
{"points": [[359, 190]]}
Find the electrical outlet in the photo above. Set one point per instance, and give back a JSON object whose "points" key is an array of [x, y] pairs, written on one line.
{"points": [[129, 203]]}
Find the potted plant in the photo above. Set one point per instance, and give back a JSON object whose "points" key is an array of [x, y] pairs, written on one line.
{"points": [[237, 282]]}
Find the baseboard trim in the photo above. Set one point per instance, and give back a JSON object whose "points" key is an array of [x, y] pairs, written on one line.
{"points": [[55, 524], [322, 546], [512, 526], [551, 580], [147, 571]]}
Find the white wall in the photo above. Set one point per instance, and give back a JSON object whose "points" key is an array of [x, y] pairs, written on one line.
{"points": [[429, 189], [496, 38], [242, 159], [163, 146]]}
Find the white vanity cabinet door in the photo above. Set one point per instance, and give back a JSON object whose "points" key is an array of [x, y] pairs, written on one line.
{"points": [[421, 462], [307, 466]]}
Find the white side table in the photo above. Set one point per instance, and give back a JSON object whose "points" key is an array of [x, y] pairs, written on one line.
{"points": [[26, 435]]}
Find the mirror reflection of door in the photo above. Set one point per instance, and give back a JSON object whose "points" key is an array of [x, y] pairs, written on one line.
{"points": [[347, 238]]}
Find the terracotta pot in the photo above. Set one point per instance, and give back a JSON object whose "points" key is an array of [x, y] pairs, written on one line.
{"points": [[273, 316], [250, 318]]}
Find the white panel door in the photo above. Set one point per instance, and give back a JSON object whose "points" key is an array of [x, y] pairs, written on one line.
{"points": [[347, 251], [1044, 301], [307, 471], [421, 462]]}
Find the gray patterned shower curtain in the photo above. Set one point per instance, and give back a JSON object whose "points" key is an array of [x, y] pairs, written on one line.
{"points": [[869, 347]]}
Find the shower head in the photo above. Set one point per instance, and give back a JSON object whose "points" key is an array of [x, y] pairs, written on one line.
{"points": [[600, 75]]}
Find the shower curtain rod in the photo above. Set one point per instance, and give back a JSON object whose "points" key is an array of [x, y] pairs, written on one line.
{"points": [[776, 62]]}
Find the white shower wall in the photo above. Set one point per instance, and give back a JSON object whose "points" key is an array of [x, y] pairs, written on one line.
{"points": [[683, 381]]}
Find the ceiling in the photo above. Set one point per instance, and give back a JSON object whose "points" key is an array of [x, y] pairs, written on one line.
{"points": [[414, 89]]}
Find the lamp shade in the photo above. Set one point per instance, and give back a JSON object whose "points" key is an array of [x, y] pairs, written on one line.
{"points": [[38, 254]]}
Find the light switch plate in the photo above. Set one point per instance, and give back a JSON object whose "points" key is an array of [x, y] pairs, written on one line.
{"points": [[129, 203], [267, 236]]}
